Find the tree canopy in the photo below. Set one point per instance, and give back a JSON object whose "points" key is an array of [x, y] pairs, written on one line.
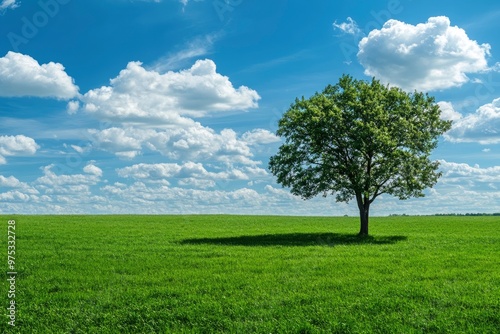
{"points": [[358, 140]]}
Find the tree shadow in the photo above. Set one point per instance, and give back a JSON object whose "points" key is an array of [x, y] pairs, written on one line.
{"points": [[298, 239]]}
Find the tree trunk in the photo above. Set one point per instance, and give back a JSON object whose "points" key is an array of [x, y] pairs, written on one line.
{"points": [[364, 213], [363, 217]]}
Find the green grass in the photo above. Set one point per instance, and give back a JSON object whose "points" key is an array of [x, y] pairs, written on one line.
{"points": [[254, 274]]}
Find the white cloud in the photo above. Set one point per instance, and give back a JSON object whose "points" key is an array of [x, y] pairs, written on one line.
{"points": [[16, 145], [12, 182], [186, 173], [458, 172], [198, 189], [54, 183], [125, 143], [92, 169], [151, 112], [6, 4], [14, 196], [448, 113], [255, 172], [198, 47], [157, 199], [281, 193], [192, 182], [73, 107], [21, 75], [78, 149], [260, 136], [462, 188], [193, 142], [70, 193], [142, 197], [53, 192], [350, 27], [482, 127], [152, 171], [428, 56], [140, 96]]}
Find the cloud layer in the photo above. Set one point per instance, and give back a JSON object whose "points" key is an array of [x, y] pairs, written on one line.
{"points": [[147, 112], [187, 142], [193, 175], [193, 188], [427, 56], [153, 112]]}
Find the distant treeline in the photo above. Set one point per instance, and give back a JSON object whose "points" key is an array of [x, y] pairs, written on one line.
{"points": [[468, 214], [452, 214]]}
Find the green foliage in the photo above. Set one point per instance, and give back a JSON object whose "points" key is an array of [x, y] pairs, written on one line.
{"points": [[359, 139], [249, 274]]}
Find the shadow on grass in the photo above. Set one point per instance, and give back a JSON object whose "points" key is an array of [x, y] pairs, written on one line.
{"points": [[298, 239]]}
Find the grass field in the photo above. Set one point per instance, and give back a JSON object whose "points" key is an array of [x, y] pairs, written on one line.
{"points": [[254, 274]]}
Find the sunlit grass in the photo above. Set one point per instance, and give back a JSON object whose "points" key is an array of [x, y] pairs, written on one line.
{"points": [[255, 274]]}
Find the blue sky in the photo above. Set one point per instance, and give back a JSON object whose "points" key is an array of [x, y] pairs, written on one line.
{"points": [[171, 106]]}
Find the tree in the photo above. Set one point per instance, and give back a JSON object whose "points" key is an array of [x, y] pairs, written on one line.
{"points": [[359, 139]]}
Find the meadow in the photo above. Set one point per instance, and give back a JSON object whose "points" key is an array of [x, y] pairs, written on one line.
{"points": [[253, 274]]}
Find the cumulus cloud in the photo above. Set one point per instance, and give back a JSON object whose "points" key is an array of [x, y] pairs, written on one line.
{"points": [[462, 188], [153, 112], [21, 75], [148, 97], [448, 113], [457, 172], [482, 127], [427, 56], [69, 193], [92, 169], [12, 182], [53, 192], [53, 182], [281, 193], [192, 182], [73, 107], [16, 145], [14, 196], [260, 136], [125, 143]]}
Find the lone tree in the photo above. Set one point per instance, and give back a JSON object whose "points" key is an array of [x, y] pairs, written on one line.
{"points": [[359, 139]]}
